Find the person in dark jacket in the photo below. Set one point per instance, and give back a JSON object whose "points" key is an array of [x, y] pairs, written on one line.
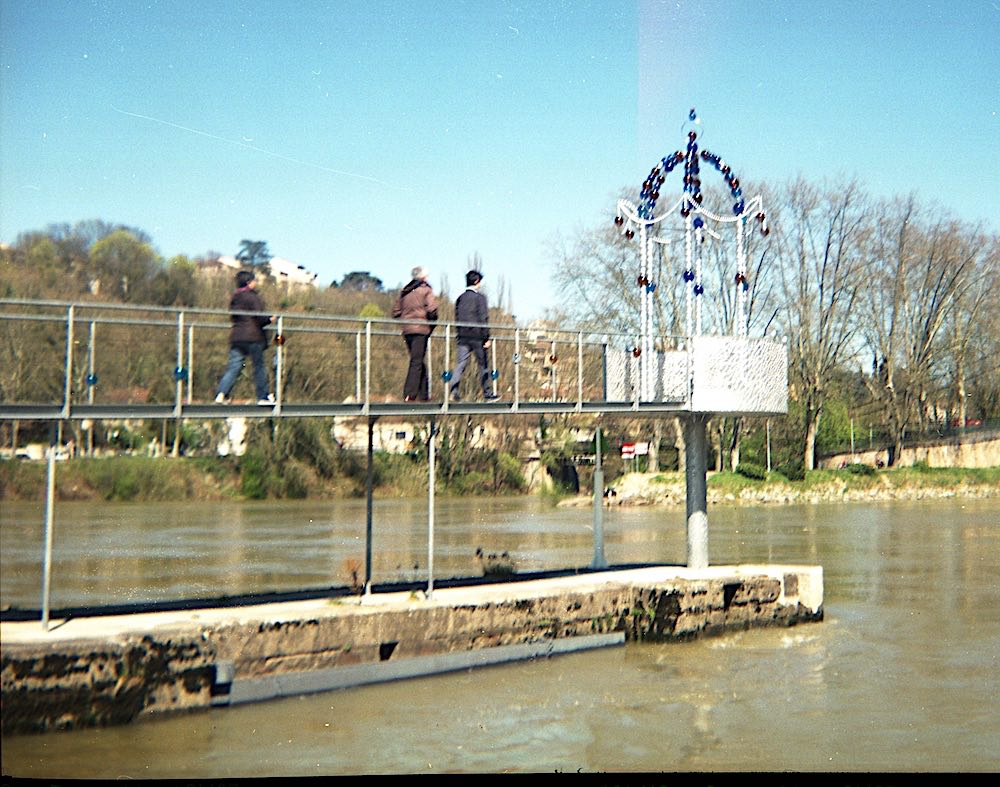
{"points": [[472, 315], [416, 306], [246, 339]]}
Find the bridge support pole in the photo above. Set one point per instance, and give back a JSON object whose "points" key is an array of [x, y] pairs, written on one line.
{"points": [[696, 458], [431, 469], [369, 483], [50, 486], [599, 560]]}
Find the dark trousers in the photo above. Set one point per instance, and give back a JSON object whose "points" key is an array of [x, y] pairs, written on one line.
{"points": [[468, 348], [417, 386], [238, 354]]}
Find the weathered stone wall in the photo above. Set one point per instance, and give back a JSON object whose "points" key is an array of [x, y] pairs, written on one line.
{"points": [[971, 449], [74, 682]]}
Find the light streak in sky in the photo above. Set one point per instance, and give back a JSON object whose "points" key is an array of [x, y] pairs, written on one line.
{"points": [[260, 150]]}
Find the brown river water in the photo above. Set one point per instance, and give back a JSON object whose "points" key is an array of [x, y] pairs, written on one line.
{"points": [[901, 676]]}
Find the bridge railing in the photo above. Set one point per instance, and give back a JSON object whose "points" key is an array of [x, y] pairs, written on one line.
{"points": [[67, 354]]}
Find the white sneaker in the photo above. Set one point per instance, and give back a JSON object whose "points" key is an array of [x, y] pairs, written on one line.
{"points": [[220, 398], [267, 402]]}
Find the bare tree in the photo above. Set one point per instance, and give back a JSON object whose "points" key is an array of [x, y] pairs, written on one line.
{"points": [[821, 236], [971, 324], [919, 270]]}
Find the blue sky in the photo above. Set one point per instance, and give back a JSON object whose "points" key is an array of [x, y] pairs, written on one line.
{"points": [[381, 135]]}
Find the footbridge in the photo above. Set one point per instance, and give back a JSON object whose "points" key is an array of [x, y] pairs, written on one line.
{"points": [[101, 361], [87, 362]]}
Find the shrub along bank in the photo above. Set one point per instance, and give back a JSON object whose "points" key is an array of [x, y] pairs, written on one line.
{"points": [[259, 474]]}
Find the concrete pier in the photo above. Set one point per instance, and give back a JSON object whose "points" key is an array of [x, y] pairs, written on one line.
{"points": [[91, 671]]}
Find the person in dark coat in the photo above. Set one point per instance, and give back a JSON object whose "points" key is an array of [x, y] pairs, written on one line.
{"points": [[246, 338], [416, 306], [472, 315]]}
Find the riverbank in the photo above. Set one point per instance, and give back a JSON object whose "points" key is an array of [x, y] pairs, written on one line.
{"points": [[153, 479], [818, 486], [142, 479]]}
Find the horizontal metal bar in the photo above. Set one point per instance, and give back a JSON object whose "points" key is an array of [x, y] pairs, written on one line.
{"points": [[84, 312], [56, 412]]}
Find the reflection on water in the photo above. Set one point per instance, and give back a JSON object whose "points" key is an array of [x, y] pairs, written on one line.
{"points": [[140, 552], [901, 675]]}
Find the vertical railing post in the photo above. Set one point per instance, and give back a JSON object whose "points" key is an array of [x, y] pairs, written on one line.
{"points": [[357, 366], [604, 368], [517, 368], [368, 364], [432, 461], [50, 485], [767, 429], [179, 368], [430, 367], [599, 560], [279, 360], [579, 371], [190, 364], [68, 367], [553, 360], [91, 382], [446, 375], [494, 374], [180, 373]]}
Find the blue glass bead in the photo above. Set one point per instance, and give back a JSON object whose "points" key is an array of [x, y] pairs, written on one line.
{"points": [[698, 222], [738, 208], [494, 375], [180, 373], [698, 289], [691, 114], [689, 275], [651, 287], [446, 376], [91, 379]]}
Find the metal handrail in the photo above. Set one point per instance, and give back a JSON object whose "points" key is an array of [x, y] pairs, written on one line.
{"points": [[543, 343]]}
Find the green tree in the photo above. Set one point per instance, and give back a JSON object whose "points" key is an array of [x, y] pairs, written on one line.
{"points": [[255, 255], [124, 266], [361, 281]]}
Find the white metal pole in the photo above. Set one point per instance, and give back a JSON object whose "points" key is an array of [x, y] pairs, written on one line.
{"points": [[68, 370], [190, 364], [50, 487], [517, 368], [90, 385], [430, 511], [357, 366], [767, 429], [447, 366], [368, 363], [599, 560], [279, 371]]}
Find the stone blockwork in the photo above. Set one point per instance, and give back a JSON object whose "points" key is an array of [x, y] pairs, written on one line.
{"points": [[191, 660], [67, 685]]}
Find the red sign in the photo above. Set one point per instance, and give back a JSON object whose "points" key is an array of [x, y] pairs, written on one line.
{"points": [[628, 450]]}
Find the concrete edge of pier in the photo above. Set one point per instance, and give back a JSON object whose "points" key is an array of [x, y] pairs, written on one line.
{"points": [[92, 671]]}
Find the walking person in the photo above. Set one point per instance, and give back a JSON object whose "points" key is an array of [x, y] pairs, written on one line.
{"points": [[246, 339], [472, 315], [416, 306]]}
